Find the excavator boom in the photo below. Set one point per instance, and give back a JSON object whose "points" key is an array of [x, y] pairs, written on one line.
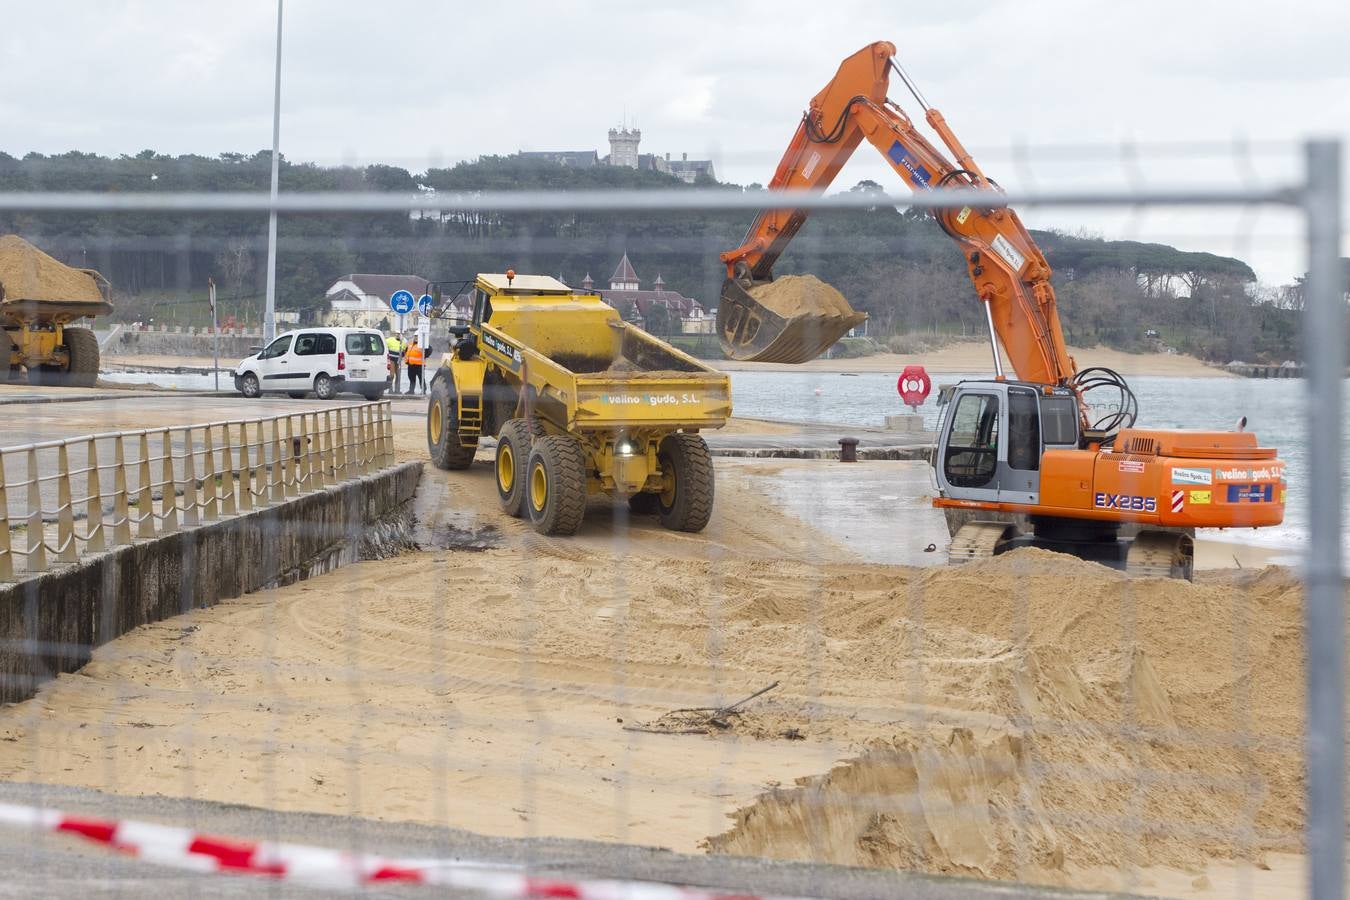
{"points": [[1007, 269]]}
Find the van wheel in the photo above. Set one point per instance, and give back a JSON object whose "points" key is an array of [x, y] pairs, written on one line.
{"points": [[556, 492], [249, 386], [513, 454], [324, 388], [443, 429], [686, 502]]}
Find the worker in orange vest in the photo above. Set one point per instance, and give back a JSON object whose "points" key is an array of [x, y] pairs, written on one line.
{"points": [[412, 357]]}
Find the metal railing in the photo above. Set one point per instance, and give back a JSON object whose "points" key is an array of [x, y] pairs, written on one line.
{"points": [[160, 480]]}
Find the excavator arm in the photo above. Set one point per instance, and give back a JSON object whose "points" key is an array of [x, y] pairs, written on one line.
{"points": [[1007, 269]]}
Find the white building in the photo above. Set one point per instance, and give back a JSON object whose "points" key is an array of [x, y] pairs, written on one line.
{"points": [[362, 301]]}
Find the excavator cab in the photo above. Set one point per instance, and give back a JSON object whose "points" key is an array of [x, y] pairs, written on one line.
{"points": [[792, 319], [993, 437]]}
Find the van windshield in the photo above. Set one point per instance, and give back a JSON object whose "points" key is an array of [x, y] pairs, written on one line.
{"points": [[365, 345]]}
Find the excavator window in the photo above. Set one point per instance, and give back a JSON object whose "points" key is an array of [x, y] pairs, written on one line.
{"points": [[971, 458], [1059, 420], [1024, 430]]}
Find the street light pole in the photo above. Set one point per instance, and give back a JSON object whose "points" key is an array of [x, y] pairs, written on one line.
{"points": [[270, 314]]}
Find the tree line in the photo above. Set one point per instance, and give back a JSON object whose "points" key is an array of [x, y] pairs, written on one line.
{"points": [[896, 264]]}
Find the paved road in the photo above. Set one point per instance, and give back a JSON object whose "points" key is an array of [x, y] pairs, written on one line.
{"points": [[39, 866]]}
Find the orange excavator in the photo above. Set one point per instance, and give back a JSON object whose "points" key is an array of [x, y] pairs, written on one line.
{"points": [[1030, 460]]}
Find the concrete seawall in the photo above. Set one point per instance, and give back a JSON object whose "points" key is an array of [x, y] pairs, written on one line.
{"points": [[51, 623]]}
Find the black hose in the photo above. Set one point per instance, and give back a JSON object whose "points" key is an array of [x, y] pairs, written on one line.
{"points": [[1126, 409]]}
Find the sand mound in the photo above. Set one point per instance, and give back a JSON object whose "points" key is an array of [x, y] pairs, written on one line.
{"points": [[795, 295], [26, 273]]}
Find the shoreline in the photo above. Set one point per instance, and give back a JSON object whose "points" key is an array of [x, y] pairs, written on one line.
{"points": [[973, 356]]}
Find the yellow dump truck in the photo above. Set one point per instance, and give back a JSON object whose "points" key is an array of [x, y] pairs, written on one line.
{"points": [[39, 299], [581, 403]]}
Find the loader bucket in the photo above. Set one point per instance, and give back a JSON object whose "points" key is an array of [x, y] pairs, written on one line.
{"points": [[792, 319]]}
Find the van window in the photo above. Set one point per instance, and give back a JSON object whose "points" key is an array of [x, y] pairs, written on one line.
{"points": [[971, 458], [315, 344], [277, 347], [365, 345]]}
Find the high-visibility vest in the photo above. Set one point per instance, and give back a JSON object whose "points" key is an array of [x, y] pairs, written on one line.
{"points": [[414, 355], [393, 345]]}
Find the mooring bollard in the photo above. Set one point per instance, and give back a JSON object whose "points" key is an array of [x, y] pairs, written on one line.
{"points": [[848, 449]]}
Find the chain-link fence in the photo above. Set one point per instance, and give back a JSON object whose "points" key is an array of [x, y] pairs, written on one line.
{"points": [[802, 682]]}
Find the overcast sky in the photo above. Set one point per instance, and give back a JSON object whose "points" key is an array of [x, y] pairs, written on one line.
{"points": [[431, 83]]}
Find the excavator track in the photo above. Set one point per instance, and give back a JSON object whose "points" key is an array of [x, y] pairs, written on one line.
{"points": [[1161, 554], [979, 540]]}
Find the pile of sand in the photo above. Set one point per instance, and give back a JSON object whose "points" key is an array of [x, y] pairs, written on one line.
{"points": [[1032, 716], [796, 295], [26, 273]]}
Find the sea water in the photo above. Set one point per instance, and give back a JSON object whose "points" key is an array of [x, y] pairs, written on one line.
{"points": [[1276, 410]]}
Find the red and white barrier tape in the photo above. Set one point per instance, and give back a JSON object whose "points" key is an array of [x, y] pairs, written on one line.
{"points": [[320, 867]]}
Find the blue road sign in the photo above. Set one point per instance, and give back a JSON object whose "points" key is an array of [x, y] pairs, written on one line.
{"points": [[424, 304], [401, 302]]}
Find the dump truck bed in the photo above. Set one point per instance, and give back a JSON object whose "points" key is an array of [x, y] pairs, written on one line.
{"points": [[36, 287], [630, 380]]}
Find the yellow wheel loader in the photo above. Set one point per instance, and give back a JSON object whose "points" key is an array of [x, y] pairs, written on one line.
{"points": [[39, 299], [582, 403]]}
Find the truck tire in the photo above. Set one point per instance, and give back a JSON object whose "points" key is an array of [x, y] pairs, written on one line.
{"points": [[6, 348], [443, 429], [556, 490], [686, 503], [513, 455], [82, 346]]}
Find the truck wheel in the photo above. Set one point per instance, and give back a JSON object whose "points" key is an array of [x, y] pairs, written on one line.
{"points": [[513, 454], [6, 350], [82, 345], [556, 494], [443, 429], [686, 503], [249, 386]]}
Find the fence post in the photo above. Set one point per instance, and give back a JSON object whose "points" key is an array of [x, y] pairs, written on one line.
{"points": [[66, 550], [145, 498], [288, 481], [277, 494], [313, 451], [209, 510], [190, 504], [1324, 616], [37, 539], [168, 496], [386, 413], [121, 511], [229, 473], [368, 446], [245, 470], [93, 507], [320, 468], [301, 447], [341, 465], [6, 557]]}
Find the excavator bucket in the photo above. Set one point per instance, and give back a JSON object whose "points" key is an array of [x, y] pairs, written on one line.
{"points": [[792, 319]]}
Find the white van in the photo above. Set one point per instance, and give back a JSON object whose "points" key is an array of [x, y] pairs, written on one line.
{"points": [[327, 361]]}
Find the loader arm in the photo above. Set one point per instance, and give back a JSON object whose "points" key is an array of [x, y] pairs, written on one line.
{"points": [[1007, 269]]}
